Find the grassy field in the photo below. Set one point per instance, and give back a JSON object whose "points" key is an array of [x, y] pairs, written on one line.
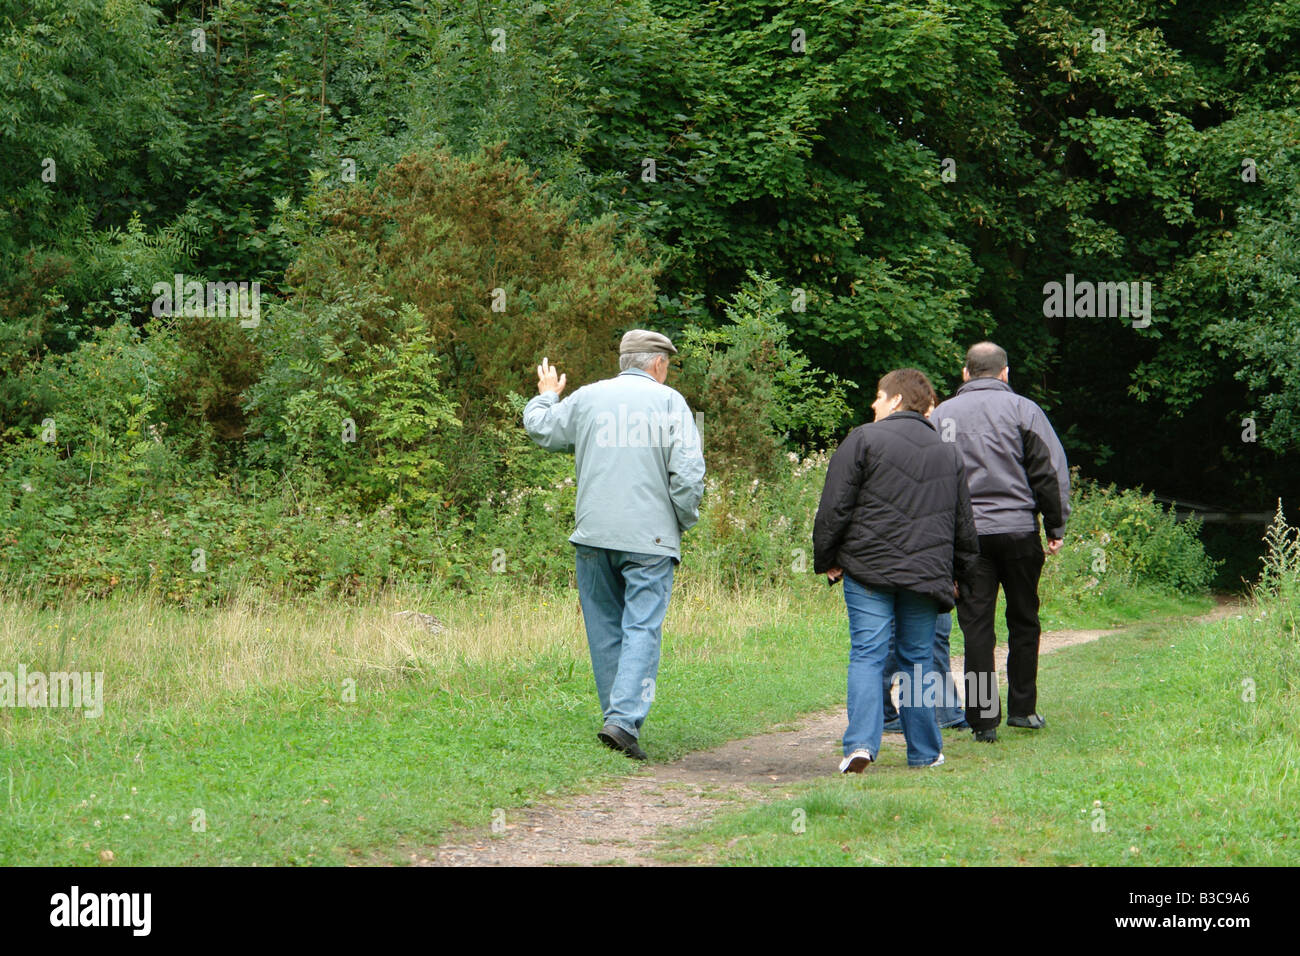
{"points": [[242, 714], [325, 735], [1166, 745]]}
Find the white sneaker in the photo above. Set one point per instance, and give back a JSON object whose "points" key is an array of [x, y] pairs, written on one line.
{"points": [[856, 762], [938, 762]]}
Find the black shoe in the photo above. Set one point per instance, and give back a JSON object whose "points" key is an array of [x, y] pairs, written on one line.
{"points": [[989, 736], [1032, 722], [960, 725], [616, 738]]}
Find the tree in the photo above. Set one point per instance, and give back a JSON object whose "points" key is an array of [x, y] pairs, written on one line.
{"points": [[495, 271]]}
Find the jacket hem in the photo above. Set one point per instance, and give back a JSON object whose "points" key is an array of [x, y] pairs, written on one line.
{"points": [[629, 548]]}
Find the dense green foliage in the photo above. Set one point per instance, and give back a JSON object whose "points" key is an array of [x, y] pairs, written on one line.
{"points": [[448, 277], [294, 535], [433, 194], [1123, 538]]}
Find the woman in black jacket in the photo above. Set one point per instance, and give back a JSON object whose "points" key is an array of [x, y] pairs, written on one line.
{"points": [[895, 524]]}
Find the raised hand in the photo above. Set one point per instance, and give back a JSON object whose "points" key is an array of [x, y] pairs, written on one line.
{"points": [[548, 380]]}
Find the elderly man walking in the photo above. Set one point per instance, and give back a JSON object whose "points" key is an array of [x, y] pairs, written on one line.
{"points": [[640, 474], [1016, 470]]}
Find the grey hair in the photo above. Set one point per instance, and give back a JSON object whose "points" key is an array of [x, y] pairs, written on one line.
{"points": [[641, 360]]}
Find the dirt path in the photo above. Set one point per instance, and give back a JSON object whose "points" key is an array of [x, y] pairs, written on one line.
{"points": [[622, 823]]}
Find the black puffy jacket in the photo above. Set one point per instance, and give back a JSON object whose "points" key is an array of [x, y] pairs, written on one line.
{"points": [[895, 511]]}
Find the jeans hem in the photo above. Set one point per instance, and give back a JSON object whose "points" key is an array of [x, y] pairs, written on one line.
{"points": [[636, 734]]}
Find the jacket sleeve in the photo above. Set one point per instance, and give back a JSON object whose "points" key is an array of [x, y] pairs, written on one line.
{"points": [[839, 496], [686, 470], [1047, 470], [965, 542], [552, 423]]}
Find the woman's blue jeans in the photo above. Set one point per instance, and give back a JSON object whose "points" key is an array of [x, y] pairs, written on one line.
{"points": [[873, 615], [950, 710]]}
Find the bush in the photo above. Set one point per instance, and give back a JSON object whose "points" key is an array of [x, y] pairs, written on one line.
{"points": [[758, 530], [752, 531], [287, 535], [523, 534], [1118, 539], [275, 538], [96, 411], [467, 258], [756, 394], [369, 416]]}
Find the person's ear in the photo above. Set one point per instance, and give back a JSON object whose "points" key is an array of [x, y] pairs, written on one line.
{"points": [[1005, 373], [965, 374]]}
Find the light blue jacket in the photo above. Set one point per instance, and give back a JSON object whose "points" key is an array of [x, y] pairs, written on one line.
{"points": [[637, 453]]}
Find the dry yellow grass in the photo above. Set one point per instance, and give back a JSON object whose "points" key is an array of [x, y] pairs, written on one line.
{"points": [[153, 655]]}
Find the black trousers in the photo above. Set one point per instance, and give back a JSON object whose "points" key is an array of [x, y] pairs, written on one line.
{"points": [[1015, 562]]}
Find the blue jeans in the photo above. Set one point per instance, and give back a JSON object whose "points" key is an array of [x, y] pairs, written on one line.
{"points": [[624, 598], [873, 616], [951, 710]]}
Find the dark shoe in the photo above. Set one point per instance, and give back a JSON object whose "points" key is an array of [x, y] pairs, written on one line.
{"points": [[894, 726], [960, 725], [989, 736], [1032, 722], [616, 738]]}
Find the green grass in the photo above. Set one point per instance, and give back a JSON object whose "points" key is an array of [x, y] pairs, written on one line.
{"points": [[1109, 609], [237, 713], [1116, 609], [1148, 735], [295, 775]]}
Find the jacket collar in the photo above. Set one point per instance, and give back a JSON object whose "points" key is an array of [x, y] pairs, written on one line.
{"points": [[908, 414], [637, 371], [984, 385]]}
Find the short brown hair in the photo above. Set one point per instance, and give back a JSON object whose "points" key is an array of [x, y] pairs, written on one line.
{"points": [[911, 383]]}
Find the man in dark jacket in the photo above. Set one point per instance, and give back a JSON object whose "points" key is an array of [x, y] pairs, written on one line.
{"points": [[1016, 470], [894, 515]]}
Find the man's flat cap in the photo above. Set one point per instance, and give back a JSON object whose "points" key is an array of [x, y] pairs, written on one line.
{"points": [[642, 340]]}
